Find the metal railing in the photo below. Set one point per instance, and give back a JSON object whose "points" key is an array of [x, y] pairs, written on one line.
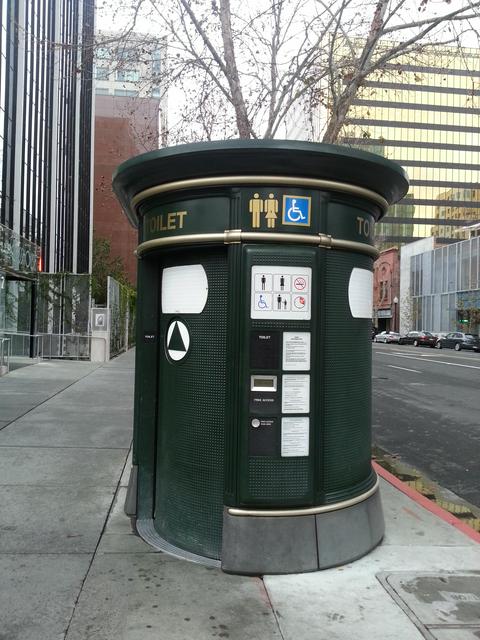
{"points": [[19, 343], [58, 345], [4, 356], [46, 346]]}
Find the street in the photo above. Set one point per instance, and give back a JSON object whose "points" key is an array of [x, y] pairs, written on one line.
{"points": [[426, 410]]}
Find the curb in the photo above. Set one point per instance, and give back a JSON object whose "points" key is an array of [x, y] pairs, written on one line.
{"points": [[426, 503]]}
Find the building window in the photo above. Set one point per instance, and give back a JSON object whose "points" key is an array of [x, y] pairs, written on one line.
{"points": [[102, 73], [103, 53], [126, 93], [128, 75]]}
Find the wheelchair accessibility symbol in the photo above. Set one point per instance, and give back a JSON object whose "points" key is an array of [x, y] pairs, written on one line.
{"points": [[296, 210]]}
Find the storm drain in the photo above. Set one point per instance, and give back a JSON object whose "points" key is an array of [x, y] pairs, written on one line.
{"points": [[443, 606]]}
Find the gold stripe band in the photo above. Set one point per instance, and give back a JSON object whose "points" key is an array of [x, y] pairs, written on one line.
{"points": [[309, 511], [228, 181], [236, 236]]}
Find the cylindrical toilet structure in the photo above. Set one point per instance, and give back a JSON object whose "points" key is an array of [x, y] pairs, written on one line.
{"points": [[252, 434]]}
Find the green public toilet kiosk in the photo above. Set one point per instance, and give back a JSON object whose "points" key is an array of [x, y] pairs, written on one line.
{"points": [[252, 435]]}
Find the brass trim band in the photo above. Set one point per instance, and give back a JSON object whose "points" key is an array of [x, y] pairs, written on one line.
{"points": [[237, 236], [309, 511], [226, 181]]}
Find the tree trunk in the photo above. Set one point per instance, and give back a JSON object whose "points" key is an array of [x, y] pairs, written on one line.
{"points": [[337, 118], [243, 123]]}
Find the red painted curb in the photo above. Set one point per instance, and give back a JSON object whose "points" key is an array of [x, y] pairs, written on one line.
{"points": [[426, 503]]}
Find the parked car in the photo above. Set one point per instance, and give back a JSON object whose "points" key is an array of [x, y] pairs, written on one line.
{"points": [[387, 337], [419, 339], [457, 340]]}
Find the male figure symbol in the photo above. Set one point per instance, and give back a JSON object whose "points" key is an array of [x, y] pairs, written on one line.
{"points": [[255, 207]]}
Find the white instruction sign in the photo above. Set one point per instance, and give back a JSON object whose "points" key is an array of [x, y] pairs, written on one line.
{"points": [[295, 394], [281, 293], [296, 351], [295, 437]]}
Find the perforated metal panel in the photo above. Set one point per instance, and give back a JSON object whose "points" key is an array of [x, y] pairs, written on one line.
{"points": [[348, 358], [278, 479], [190, 448], [273, 479]]}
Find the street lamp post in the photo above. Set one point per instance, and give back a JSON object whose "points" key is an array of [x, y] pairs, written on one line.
{"points": [[395, 323]]}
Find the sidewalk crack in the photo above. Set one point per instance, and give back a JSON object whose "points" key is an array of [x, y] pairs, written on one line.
{"points": [[48, 399], [94, 554], [275, 613]]}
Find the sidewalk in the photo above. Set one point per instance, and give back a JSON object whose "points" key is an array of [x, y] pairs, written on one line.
{"points": [[70, 567]]}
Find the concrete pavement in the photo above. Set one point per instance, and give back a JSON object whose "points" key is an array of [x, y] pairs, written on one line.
{"points": [[71, 568]]}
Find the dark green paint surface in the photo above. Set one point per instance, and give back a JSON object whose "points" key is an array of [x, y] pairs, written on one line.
{"points": [[214, 214], [347, 367], [191, 418], [273, 480], [258, 157], [195, 215]]}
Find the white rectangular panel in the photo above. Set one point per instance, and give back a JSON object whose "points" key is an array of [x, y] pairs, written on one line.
{"points": [[295, 394], [295, 436], [296, 351], [281, 293], [184, 289], [360, 293]]}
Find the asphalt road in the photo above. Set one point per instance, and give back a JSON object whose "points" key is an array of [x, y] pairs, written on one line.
{"points": [[426, 409]]}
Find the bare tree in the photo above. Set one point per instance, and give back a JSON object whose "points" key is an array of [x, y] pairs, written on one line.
{"points": [[243, 69]]}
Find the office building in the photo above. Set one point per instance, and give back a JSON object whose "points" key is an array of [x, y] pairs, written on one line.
{"points": [[423, 111], [124, 127], [46, 57], [445, 288], [130, 118], [132, 67]]}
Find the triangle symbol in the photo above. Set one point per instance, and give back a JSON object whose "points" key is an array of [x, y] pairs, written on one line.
{"points": [[176, 341]]}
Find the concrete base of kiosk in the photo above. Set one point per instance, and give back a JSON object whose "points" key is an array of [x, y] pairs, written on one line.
{"points": [[257, 545], [296, 544]]}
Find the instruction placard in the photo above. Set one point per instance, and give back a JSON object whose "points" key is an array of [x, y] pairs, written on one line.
{"points": [[281, 293], [295, 394], [295, 436], [296, 351]]}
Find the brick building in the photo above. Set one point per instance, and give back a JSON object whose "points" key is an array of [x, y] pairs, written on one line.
{"points": [[386, 290], [124, 127]]}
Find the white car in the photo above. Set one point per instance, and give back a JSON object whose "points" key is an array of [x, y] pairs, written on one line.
{"points": [[387, 337]]}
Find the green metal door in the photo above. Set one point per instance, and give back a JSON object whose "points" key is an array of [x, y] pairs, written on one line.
{"points": [[191, 411]]}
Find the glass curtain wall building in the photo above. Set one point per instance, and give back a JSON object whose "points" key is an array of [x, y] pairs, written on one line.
{"points": [[46, 55], [45, 127], [423, 112], [445, 288]]}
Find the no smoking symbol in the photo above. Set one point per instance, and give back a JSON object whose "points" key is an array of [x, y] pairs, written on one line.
{"points": [[300, 284]]}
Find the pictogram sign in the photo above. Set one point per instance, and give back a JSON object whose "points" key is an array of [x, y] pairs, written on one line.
{"points": [[296, 210], [178, 340]]}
